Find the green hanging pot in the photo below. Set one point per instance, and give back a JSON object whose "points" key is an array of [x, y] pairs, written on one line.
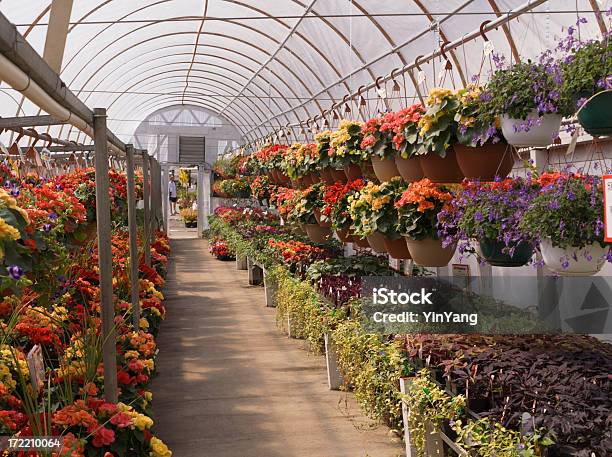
{"points": [[595, 116], [492, 251]]}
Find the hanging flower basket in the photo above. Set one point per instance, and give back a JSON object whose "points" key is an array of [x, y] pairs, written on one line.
{"points": [[533, 132], [429, 252], [493, 253], [367, 171], [485, 162], [377, 242], [317, 215], [338, 175], [573, 261], [361, 242], [385, 169], [595, 116], [398, 249], [352, 171], [344, 236], [327, 176], [318, 234], [442, 169], [409, 169]]}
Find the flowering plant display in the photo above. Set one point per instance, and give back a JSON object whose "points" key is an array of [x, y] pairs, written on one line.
{"points": [[586, 68], [58, 308], [393, 132], [336, 203], [293, 251], [418, 209], [262, 188], [526, 88], [372, 209], [568, 210], [300, 160], [476, 126], [220, 250], [488, 212], [345, 143], [232, 188], [324, 158], [284, 200], [309, 201], [437, 127], [269, 158], [189, 215], [229, 167]]}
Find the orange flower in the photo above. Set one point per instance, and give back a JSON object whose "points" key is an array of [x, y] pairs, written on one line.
{"points": [[424, 194]]}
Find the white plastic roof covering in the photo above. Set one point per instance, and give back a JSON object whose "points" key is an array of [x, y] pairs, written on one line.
{"points": [[258, 63]]}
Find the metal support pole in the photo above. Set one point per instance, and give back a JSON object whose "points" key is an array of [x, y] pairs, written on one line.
{"points": [[133, 229], [156, 195], [164, 190], [105, 257], [147, 208], [201, 198]]}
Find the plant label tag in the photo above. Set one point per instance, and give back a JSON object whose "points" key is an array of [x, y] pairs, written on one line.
{"points": [[36, 367], [382, 93], [488, 48], [607, 191]]}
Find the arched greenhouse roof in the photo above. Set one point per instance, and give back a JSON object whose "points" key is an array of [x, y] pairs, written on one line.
{"points": [[267, 64]]}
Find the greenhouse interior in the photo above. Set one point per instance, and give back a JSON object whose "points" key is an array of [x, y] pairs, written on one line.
{"points": [[335, 228]]}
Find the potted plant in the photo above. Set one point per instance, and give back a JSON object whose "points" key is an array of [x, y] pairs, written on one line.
{"points": [[345, 148], [490, 214], [307, 202], [567, 218], [374, 217], [262, 189], [587, 82], [377, 144], [418, 209], [269, 160], [325, 163], [528, 98], [336, 207], [405, 139], [438, 135], [482, 152], [190, 217], [300, 163]]}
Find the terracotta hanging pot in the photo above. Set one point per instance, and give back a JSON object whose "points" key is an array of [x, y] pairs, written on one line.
{"points": [[352, 172], [367, 170], [493, 253], [318, 234], [344, 236], [317, 214], [442, 169], [398, 249], [338, 175], [315, 177], [542, 133], [385, 169], [429, 252], [573, 261], [485, 162], [326, 176], [409, 169], [361, 242], [377, 242]]}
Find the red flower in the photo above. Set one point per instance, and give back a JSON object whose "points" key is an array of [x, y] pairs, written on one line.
{"points": [[103, 437]]}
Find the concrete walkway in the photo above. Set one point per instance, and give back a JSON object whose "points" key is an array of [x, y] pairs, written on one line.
{"points": [[231, 385]]}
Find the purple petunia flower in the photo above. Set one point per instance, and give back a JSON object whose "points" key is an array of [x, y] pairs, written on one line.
{"points": [[53, 216], [15, 272], [47, 228]]}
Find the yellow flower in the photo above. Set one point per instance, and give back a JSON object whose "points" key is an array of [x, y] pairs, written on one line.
{"points": [[149, 364], [159, 449], [131, 355], [8, 231], [141, 421], [144, 323]]}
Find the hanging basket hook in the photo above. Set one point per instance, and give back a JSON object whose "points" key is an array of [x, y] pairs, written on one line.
{"points": [[482, 32]]}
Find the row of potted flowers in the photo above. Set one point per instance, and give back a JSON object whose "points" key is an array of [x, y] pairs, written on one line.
{"points": [[503, 222], [50, 300]]}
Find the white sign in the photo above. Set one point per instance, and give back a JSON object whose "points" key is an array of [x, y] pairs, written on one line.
{"points": [[607, 190], [36, 366]]}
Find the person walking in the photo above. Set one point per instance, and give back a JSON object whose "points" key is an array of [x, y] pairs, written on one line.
{"points": [[172, 195]]}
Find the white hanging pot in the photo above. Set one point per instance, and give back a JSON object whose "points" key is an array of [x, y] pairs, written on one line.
{"points": [[572, 261], [542, 133]]}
